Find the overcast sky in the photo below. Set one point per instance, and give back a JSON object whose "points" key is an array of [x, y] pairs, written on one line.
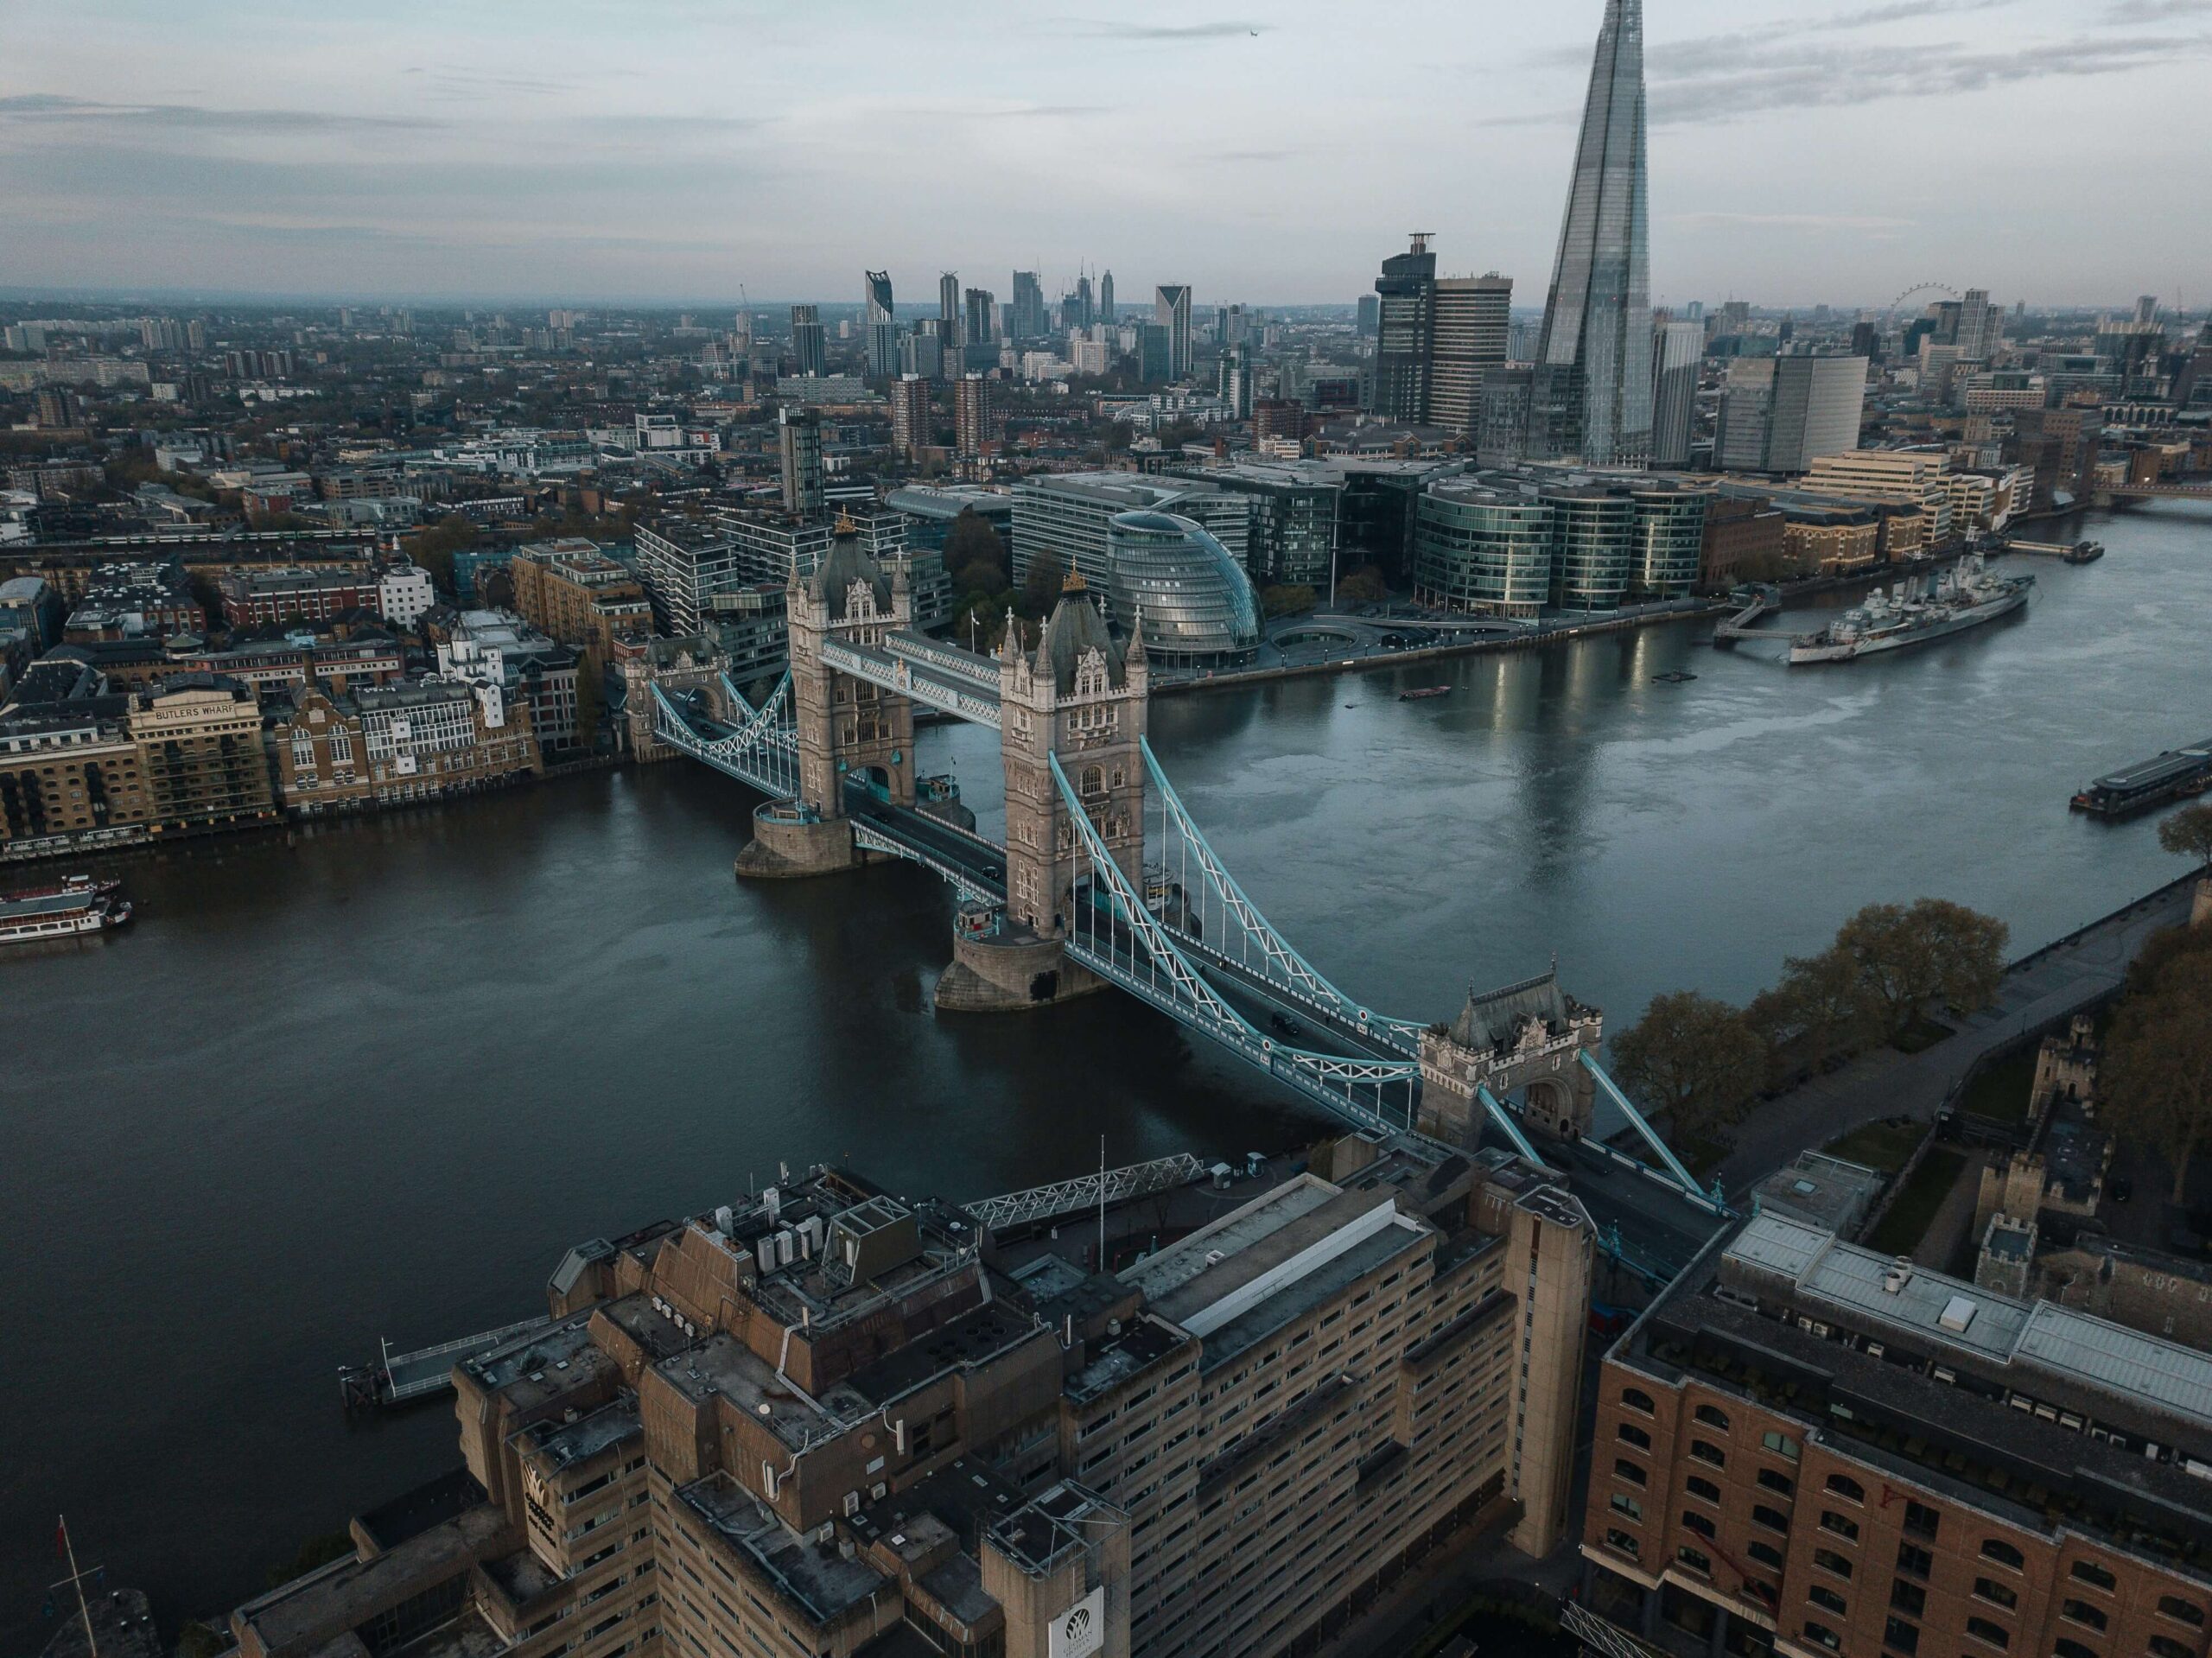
{"points": [[1802, 150]]}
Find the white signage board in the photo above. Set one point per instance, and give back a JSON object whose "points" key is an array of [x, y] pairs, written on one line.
{"points": [[1080, 1631]]}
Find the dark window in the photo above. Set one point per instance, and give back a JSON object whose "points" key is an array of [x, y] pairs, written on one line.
{"points": [[1781, 1443], [1916, 1560], [1628, 1470], [1693, 1520], [1820, 1595], [1629, 1506], [1901, 1637], [1996, 1594], [1712, 1416], [1982, 1630], [1920, 1519], [1705, 1451], [1766, 1554], [1623, 1541], [1696, 1559], [2165, 1646], [1636, 1399], [1909, 1597], [2095, 1576], [2003, 1552], [1821, 1636], [1636, 1436], [1773, 1519], [1775, 1480], [2081, 1612], [2070, 1649], [1700, 1486], [1828, 1561], [2187, 1610], [1831, 1520]]}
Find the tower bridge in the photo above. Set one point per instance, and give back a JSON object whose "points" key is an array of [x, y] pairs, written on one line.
{"points": [[1104, 880]]}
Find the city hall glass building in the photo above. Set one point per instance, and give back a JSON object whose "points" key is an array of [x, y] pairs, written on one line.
{"points": [[1193, 600]]}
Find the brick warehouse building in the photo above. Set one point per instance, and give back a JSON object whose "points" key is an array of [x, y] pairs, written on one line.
{"points": [[1806, 1448]]}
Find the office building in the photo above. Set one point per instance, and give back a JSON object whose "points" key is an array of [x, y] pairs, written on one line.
{"points": [[200, 755], [930, 510], [1065, 516], [1196, 605], [1482, 551], [1779, 414], [1981, 326], [1917, 480], [948, 303], [1591, 397], [1594, 545], [1294, 521], [982, 327], [1234, 381], [682, 562], [1806, 1447], [810, 347], [911, 420], [403, 592], [1678, 354], [1026, 319], [880, 332], [1405, 338], [824, 1420], [1670, 538], [279, 597], [1106, 298], [1171, 310], [1471, 317], [497, 650], [798, 453], [978, 417], [1367, 314]]}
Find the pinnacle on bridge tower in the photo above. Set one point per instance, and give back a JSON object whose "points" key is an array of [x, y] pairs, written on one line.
{"points": [[1082, 696], [1525, 1036]]}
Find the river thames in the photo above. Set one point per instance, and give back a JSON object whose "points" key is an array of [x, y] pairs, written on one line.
{"points": [[369, 1079]]}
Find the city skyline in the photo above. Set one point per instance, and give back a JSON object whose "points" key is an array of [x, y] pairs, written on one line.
{"points": [[1818, 142]]}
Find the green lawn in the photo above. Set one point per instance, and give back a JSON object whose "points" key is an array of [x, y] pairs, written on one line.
{"points": [[2000, 1092], [1908, 1218], [1922, 1035], [1883, 1146]]}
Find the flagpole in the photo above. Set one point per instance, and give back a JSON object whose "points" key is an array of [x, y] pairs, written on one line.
{"points": [[69, 1548]]}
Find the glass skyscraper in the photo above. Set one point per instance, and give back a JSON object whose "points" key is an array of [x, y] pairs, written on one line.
{"points": [[1590, 400]]}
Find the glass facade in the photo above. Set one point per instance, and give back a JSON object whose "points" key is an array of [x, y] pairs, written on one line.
{"points": [[1594, 547], [1482, 552], [1198, 607], [1591, 396], [1670, 539]]}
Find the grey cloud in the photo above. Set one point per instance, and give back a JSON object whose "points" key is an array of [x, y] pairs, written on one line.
{"points": [[1228, 28], [53, 107], [1577, 55], [2152, 11]]}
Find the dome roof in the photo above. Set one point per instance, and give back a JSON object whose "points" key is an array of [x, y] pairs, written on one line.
{"points": [[846, 562], [1074, 627]]}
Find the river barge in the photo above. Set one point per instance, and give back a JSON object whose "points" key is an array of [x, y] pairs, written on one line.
{"points": [[68, 908], [2168, 775]]}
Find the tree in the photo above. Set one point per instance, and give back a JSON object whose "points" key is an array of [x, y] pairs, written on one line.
{"points": [[1364, 585], [1285, 601], [434, 548], [2188, 833], [2155, 1077], [1041, 588], [1694, 1057], [1820, 1005], [1936, 949], [972, 541]]}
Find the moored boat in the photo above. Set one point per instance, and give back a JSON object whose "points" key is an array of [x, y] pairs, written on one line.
{"points": [[63, 909]]}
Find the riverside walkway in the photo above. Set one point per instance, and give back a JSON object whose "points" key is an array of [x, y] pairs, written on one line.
{"points": [[2042, 986]]}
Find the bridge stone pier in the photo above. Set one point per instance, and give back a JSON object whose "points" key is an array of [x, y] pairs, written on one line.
{"points": [[1082, 698], [1525, 1036], [846, 727]]}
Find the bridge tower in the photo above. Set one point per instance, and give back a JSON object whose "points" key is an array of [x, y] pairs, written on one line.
{"points": [[1525, 1036], [846, 730], [1080, 696]]}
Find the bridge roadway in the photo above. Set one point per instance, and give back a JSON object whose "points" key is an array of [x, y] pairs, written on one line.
{"points": [[1641, 1217]]}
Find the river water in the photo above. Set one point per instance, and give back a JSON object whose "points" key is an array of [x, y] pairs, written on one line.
{"points": [[369, 1079]]}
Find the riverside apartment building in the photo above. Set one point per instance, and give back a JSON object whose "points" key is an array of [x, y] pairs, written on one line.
{"points": [[830, 1421]]}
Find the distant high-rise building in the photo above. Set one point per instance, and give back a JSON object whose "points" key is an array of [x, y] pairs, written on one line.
{"points": [[1367, 314], [1086, 308], [910, 415], [882, 337], [2146, 310], [1982, 326], [798, 445], [1171, 310], [1866, 340], [1676, 353], [1236, 384], [1026, 322], [1106, 297], [948, 302], [1405, 332], [979, 419], [1468, 337], [982, 330], [810, 347], [1781, 414], [1591, 396]]}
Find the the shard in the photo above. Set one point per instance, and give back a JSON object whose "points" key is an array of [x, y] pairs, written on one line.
{"points": [[1591, 400]]}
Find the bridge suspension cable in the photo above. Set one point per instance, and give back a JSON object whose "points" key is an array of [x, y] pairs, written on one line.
{"points": [[761, 749]]}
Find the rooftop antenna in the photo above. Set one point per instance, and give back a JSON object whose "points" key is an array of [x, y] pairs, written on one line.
{"points": [[77, 1578]]}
